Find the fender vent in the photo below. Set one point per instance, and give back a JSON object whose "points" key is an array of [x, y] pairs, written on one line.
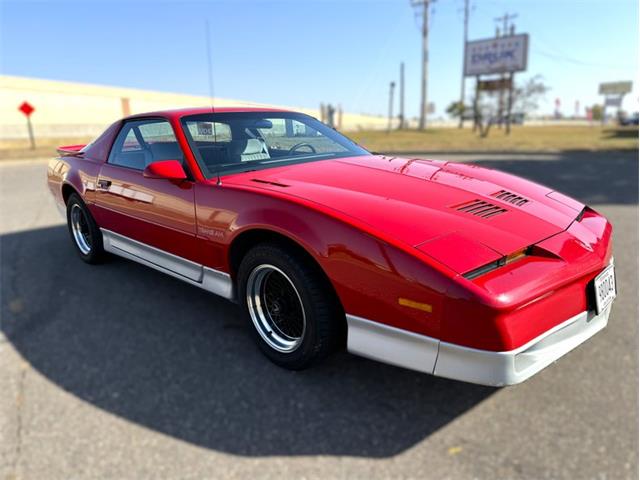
{"points": [[480, 208], [509, 197]]}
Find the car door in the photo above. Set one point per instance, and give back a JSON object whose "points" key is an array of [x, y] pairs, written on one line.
{"points": [[150, 218]]}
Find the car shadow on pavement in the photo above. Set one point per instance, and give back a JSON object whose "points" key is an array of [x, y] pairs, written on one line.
{"points": [[178, 360], [622, 132], [605, 177], [593, 177]]}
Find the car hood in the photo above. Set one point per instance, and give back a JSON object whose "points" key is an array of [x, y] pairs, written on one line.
{"points": [[461, 214]]}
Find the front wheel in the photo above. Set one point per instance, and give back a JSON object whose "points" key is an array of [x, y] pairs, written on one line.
{"points": [[84, 231], [292, 310]]}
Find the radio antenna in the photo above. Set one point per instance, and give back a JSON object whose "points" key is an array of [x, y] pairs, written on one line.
{"points": [[209, 62], [210, 65]]}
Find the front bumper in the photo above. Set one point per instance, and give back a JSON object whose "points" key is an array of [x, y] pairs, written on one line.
{"points": [[515, 366], [425, 354]]}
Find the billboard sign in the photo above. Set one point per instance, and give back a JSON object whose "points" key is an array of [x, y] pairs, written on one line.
{"points": [[615, 88], [496, 55], [613, 102]]}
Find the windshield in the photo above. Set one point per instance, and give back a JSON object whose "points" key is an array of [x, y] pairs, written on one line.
{"points": [[241, 141]]}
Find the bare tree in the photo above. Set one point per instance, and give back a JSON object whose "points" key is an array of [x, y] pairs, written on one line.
{"points": [[526, 98], [527, 95]]}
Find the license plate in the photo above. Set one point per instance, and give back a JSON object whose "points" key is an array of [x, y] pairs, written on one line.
{"points": [[605, 285]]}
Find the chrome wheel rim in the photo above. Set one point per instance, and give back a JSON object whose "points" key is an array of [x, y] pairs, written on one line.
{"points": [[80, 229], [276, 308]]}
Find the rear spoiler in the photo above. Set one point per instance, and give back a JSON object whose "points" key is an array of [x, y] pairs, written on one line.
{"points": [[71, 150]]}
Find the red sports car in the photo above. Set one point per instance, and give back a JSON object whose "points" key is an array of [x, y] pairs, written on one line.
{"points": [[445, 268]]}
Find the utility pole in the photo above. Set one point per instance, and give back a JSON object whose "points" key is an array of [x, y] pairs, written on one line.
{"points": [[401, 115], [505, 27], [464, 59], [391, 87], [505, 21], [512, 32], [424, 5]]}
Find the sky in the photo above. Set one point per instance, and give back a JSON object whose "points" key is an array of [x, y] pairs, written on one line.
{"points": [[301, 53]]}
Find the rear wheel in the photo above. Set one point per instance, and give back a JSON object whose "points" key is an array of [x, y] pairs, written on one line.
{"points": [[293, 312], [84, 231]]}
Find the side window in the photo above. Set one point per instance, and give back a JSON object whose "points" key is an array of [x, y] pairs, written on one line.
{"points": [[140, 143], [131, 143], [157, 132]]}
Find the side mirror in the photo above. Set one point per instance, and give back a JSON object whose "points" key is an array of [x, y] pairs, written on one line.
{"points": [[167, 169]]}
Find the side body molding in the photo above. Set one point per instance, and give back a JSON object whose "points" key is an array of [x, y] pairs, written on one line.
{"points": [[209, 279]]}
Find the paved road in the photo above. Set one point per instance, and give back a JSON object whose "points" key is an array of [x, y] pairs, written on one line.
{"points": [[120, 372]]}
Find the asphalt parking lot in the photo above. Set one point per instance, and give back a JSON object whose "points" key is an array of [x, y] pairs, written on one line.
{"points": [[120, 372]]}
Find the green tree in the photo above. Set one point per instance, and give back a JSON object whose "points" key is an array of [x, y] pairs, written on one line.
{"points": [[596, 112], [456, 109]]}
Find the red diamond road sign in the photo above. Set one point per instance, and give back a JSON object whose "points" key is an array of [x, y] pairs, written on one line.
{"points": [[26, 108]]}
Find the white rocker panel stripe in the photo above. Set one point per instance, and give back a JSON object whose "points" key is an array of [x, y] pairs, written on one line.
{"points": [[207, 278]]}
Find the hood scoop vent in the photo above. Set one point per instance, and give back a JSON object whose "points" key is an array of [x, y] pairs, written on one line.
{"points": [[509, 197], [480, 208]]}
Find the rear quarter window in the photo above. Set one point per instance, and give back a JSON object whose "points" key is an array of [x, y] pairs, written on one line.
{"points": [[142, 142]]}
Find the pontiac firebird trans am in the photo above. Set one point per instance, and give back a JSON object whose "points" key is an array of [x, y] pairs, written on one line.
{"points": [[445, 268]]}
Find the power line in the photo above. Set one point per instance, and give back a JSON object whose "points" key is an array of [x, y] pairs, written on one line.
{"points": [[575, 61]]}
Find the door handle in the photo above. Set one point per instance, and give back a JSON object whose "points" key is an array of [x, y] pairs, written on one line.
{"points": [[104, 184]]}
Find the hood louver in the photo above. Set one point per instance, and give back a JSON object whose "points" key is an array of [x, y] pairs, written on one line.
{"points": [[480, 208], [509, 197]]}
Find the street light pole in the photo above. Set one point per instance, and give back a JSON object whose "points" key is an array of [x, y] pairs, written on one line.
{"points": [[401, 116], [391, 87]]}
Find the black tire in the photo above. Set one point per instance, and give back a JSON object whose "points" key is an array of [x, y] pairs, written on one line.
{"points": [[90, 232], [323, 319]]}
